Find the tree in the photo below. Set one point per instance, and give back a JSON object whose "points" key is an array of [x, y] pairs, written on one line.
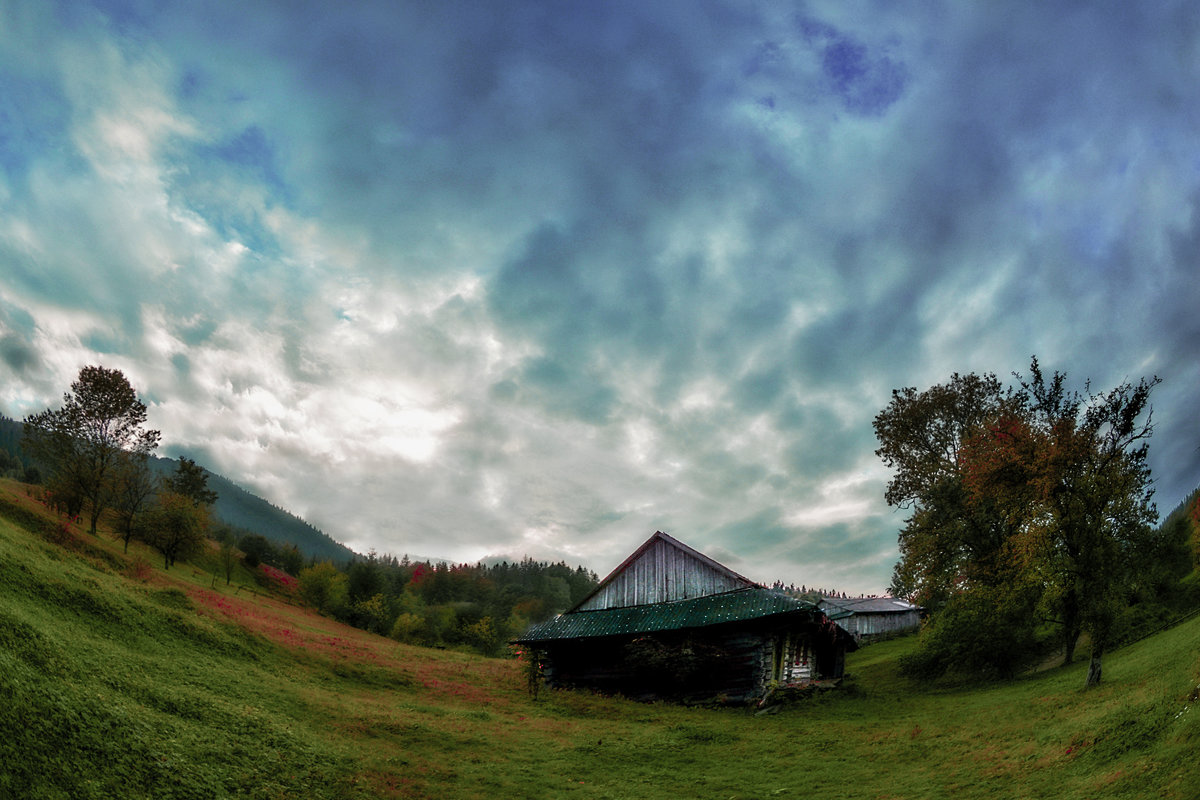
{"points": [[191, 481], [80, 445], [947, 543], [1093, 484], [323, 586], [256, 549], [227, 553], [133, 486], [176, 527], [1027, 501]]}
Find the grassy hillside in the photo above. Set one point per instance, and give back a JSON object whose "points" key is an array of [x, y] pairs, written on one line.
{"points": [[119, 680]]}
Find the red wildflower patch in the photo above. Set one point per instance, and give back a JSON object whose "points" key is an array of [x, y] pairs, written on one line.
{"points": [[266, 618], [278, 579]]}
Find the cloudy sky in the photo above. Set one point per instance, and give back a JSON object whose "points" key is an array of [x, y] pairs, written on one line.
{"points": [[468, 279]]}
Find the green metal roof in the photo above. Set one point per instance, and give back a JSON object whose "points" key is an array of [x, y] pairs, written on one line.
{"points": [[714, 609]]}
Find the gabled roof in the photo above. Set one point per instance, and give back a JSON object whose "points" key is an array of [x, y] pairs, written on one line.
{"points": [[662, 569], [752, 602]]}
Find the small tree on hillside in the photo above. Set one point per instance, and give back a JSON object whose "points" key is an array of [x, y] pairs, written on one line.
{"points": [[227, 554], [175, 527], [133, 487], [191, 481], [323, 586]]}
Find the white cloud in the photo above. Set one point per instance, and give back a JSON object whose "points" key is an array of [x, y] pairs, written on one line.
{"points": [[531, 298]]}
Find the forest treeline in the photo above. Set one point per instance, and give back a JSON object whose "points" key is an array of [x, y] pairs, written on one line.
{"points": [[433, 603]]}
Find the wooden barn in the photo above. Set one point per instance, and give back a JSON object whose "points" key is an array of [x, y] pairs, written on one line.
{"points": [[871, 618], [671, 623]]}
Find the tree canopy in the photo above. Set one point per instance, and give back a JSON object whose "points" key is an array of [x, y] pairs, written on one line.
{"points": [[175, 526], [191, 481], [81, 444], [1029, 502]]}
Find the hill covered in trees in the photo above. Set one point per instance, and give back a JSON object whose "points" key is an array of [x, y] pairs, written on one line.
{"points": [[236, 507]]}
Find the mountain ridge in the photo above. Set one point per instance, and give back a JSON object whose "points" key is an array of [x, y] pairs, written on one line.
{"points": [[236, 506]]}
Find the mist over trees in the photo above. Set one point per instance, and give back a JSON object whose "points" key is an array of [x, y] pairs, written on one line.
{"points": [[1031, 517]]}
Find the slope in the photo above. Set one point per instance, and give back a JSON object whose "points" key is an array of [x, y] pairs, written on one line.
{"points": [[117, 679], [235, 505], [240, 508]]}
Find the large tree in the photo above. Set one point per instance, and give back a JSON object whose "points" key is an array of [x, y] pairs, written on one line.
{"points": [[81, 444], [1092, 483], [1033, 498], [947, 543]]}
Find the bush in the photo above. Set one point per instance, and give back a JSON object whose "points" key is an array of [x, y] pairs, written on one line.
{"points": [[408, 628], [323, 586], [982, 632]]}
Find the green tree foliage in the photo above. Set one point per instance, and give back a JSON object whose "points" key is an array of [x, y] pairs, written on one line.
{"points": [[191, 481], [323, 586], [174, 526], [257, 549], [81, 444], [947, 542], [133, 487], [15, 462], [985, 631], [1028, 501], [438, 604], [1091, 480]]}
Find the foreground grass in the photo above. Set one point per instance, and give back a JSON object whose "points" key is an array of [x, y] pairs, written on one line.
{"points": [[122, 681]]}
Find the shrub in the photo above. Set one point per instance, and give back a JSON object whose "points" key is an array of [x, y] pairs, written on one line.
{"points": [[981, 632]]}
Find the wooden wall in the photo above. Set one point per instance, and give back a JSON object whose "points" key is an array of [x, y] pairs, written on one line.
{"points": [[866, 626], [661, 574]]}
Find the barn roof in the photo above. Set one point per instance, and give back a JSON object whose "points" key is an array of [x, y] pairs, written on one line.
{"points": [[739, 605], [868, 605]]}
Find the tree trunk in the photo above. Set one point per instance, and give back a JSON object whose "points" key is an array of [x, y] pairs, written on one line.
{"points": [[1070, 612], [1093, 675]]}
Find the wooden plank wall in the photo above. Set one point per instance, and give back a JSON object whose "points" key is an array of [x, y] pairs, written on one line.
{"points": [[869, 626], [661, 574]]}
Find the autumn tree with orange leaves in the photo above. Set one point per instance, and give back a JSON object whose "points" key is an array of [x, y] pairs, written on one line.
{"points": [[1030, 503]]}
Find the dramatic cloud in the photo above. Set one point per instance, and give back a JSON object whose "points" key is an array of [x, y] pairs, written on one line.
{"points": [[464, 279]]}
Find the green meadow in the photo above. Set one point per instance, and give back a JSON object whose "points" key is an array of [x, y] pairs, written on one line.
{"points": [[119, 680]]}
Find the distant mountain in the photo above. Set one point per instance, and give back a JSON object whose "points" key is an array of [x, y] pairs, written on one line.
{"points": [[241, 509], [235, 506]]}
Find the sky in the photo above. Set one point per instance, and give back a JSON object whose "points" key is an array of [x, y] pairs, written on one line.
{"points": [[471, 280]]}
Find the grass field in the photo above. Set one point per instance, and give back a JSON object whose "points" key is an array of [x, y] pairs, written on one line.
{"points": [[119, 680]]}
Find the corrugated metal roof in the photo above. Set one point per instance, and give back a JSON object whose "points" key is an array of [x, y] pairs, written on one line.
{"points": [[736, 606], [866, 605]]}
